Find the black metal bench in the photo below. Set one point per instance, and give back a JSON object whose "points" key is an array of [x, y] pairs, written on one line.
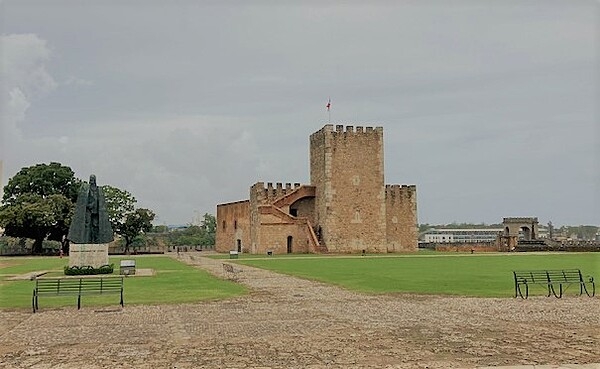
{"points": [[76, 286], [550, 279]]}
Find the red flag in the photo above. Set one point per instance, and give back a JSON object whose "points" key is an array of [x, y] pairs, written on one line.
{"points": [[328, 106]]}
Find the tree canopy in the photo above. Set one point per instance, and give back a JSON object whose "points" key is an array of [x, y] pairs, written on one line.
{"points": [[39, 200], [43, 180], [38, 203], [135, 222]]}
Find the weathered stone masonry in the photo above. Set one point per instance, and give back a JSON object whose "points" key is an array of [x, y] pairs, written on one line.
{"points": [[346, 208]]}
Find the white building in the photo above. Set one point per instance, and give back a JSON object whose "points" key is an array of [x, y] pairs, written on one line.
{"points": [[443, 235]]}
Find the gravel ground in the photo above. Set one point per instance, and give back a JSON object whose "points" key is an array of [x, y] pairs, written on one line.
{"points": [[288, 322]]}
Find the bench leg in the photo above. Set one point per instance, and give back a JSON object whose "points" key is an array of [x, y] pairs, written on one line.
{"points": [[586, 290], [560, 290], [33, 301], [78, 302], [518, 291], [122, 299]]}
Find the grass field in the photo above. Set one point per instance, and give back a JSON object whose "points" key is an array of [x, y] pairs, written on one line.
{"points": [[482, 275], [174, 282]]}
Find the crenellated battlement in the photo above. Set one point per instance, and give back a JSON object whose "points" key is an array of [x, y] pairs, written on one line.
{"points": [[397, 191], [346, 207], [269, 192], [340, 128]]}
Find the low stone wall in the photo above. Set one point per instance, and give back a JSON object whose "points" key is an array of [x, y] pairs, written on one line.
{"points": [[467, 247]]}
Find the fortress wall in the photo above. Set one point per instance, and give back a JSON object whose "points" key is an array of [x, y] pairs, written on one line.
{"points": [[402, 224], [233, 223], [274, 234], [305, 208], [347, 170]]}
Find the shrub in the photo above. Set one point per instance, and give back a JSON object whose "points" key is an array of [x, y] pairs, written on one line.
{"points": [[89, 270]]}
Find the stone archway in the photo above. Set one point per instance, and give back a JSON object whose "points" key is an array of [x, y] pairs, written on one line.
{"points": [[528, 225]]}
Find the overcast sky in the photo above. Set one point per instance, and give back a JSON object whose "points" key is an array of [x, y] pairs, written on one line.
{"points": [[489, 107]]}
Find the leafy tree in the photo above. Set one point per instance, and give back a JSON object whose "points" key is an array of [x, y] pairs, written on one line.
{"points": [[36, 217], [43, 180], [136, 222], [38, 203], [193, 235], [119, 203], [209, 229], [160, 229]]}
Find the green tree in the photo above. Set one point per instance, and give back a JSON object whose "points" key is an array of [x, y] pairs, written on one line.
{"points": [[119, 203], [209, 229], [160, 229], [43, 180], [135, 223], [38, 203]]}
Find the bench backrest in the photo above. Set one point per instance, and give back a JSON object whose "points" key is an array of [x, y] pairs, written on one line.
{"points": [[549, 276], [76, 286]]}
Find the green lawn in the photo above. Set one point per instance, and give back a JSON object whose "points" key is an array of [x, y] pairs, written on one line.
{"points": [[174, 282], [484, 275]]}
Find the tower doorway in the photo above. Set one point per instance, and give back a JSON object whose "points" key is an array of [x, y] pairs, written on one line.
{"points": [[290, 241]]}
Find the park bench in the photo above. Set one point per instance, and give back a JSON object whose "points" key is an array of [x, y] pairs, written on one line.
{"points": [[551, 279], [76, 286], [231, 272]]}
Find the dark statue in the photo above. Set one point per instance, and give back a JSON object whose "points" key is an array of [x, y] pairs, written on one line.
{"points": [[90, 224]]}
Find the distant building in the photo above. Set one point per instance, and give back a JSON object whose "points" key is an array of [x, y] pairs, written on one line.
{"points": [[470, 235], [346, 208]]}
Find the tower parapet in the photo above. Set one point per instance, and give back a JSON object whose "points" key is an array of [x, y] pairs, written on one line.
{"points": [[269, 193], [346, 168], [398, 192], [401, 217], [340, 128]]}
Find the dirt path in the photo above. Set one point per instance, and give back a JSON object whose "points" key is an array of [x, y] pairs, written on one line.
{"points": [[291, 323]]}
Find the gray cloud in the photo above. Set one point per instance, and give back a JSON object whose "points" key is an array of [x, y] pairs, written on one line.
{"points": [[490, 108]]}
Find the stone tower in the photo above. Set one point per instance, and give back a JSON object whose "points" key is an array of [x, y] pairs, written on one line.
{"points": [[346, 168]]}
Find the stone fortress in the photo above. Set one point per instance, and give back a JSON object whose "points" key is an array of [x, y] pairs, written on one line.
{"points": [[347, 207]]}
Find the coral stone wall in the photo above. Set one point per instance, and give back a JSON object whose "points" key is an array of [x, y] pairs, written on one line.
{"points": [[274, 233], [305, 208], [346, 208], [233, 224], [401, 207], [347, 170]]}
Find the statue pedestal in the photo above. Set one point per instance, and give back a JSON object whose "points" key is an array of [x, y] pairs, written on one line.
{"points": [[84, 254]]}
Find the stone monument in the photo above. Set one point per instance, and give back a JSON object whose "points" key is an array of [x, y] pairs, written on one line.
{"points": [[90, 231]]}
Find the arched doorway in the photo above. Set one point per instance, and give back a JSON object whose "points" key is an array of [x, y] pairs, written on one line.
{"points": [[525, 233], [290, 241]]}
